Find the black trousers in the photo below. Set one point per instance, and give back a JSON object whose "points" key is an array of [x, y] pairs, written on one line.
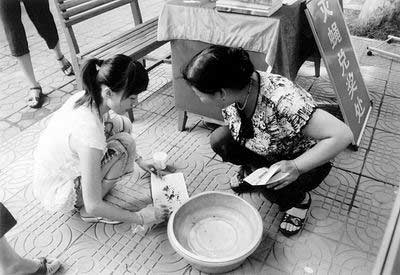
{"points": [[40, 15], [231, 151]]}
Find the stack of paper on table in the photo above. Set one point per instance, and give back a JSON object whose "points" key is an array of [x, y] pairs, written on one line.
{"points": [[264, 176], [289, 2], [169, 190], [252, 7]]}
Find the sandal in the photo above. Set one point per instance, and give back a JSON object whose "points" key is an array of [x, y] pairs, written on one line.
{"points": [[293, 220], [47, 266], [99, 220], [66, 67], [238, 185], [35, 99]]}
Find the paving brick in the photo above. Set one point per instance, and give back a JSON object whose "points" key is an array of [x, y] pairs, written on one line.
{"points": [[350, 160], [389, 116], [348, 214]]}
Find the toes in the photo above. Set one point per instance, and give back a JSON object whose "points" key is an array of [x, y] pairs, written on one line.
{"points": [[288, 227]]}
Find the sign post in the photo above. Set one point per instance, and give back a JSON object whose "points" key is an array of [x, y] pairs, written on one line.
{"points": [[333, 40]]}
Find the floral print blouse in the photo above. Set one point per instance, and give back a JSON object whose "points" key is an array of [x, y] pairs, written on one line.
{"points": [[283, 109]]}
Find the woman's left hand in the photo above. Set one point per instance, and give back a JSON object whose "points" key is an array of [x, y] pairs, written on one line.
{"points": [[289, 168], [149, 167]]}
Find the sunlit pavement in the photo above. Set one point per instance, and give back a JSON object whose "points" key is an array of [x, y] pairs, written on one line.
{"points": [[349, 211]]}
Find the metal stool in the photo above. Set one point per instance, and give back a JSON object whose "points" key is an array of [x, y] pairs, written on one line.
{"points": [[389, 40]]}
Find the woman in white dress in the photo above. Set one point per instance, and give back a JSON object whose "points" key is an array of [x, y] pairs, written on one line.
{"points": [[84, 151]]}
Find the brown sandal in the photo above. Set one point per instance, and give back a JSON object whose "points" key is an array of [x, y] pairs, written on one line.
{"points": [[66, 67], [35, 100], [296, 221]]}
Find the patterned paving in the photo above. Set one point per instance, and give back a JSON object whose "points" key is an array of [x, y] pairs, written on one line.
{"points": [[15, 116], [348, 215]]}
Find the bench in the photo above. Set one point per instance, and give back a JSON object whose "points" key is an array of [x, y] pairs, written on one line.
{"points": [[137, 42]]}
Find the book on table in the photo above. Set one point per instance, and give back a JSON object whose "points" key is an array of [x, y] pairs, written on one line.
{"points": [[250, 7]]}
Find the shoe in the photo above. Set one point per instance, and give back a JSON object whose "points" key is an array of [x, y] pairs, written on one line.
{"points": [[67, 67], [35, 99], [99, 220], [238, 185], [296, 221], [47, 266]]}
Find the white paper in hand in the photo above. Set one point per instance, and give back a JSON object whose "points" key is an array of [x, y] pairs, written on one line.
{"points": [[264, 176], [169, 190]]}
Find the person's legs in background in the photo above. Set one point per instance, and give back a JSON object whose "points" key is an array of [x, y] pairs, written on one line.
{"points": [[39, 13], [10, 261], [10, 14], [41, 16]]}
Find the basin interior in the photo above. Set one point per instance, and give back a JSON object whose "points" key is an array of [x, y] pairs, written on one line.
{"points": [[216, 226]]}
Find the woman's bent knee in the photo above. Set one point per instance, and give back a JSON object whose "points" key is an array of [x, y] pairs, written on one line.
{"points": [[219, 138], [127, 125], [125, 145]]}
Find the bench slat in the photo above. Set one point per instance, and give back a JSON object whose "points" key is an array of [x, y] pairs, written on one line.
{"points": [[64, 5], [130, 45], [145, 49], [142, 28], [90, 14], [91, 5]]}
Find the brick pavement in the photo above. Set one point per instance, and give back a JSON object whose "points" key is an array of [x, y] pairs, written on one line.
{"points": [[347, 218]]}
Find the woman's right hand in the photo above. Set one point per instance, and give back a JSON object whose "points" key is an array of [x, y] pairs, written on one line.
{"points": [[151, 214]]}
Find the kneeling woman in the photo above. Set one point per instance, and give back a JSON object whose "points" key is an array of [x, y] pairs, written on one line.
{"points": [[270, 120], [83, 152]]}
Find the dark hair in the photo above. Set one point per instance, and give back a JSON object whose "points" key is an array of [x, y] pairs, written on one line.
{"points": [[119, 73], [219, 67]]}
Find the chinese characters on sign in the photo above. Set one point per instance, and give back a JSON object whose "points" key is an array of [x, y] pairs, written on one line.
{"points": [[324, 7], [333, 40]]}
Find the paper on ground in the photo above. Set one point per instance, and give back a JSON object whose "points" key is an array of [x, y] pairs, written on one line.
{"points": [[289, 2], [264, 175], [169, 190]]}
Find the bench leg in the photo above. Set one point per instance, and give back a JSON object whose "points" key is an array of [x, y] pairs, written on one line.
{"points": [[317, 65], [182, 118], [77, 72], [130, 115], [130, 112]]}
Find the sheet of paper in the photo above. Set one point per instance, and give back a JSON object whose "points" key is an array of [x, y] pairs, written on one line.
{"points": [[264, 175], [169, 190], [289, 2]]}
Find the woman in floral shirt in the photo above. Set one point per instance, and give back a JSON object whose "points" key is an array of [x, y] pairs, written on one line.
{"points": [[270, 121]]}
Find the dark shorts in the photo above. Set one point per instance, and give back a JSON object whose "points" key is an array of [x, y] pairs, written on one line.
{"points": [[40, 15], [7, 220]]}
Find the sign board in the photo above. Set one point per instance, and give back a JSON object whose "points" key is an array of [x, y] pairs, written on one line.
{"points": [[333, 40]]}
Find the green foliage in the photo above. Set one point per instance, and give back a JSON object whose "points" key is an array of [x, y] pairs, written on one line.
{"points": [[380, 24]]}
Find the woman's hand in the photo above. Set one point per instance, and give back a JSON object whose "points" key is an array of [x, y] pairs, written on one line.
{"points": [[151, 214], [149, 167], [289, 168]]}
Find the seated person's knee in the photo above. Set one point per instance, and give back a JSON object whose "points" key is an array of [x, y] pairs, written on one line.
{"points": [[127, 125], [219, 138]]}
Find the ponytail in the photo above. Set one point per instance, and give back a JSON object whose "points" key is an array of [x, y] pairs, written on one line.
{"points": [[91, 85], [137, 78], [119, 73]]}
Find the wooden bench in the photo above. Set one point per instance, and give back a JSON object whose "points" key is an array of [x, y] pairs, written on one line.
{"points": [[137, 42]]}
